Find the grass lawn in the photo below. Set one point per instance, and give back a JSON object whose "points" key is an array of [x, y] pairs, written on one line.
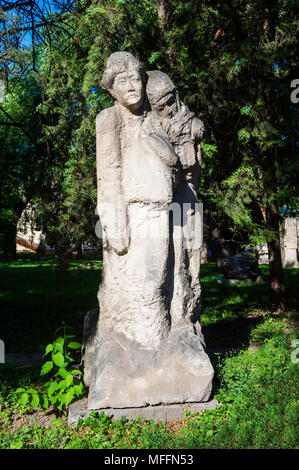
{"points": [[257, 387], [35, 298]]}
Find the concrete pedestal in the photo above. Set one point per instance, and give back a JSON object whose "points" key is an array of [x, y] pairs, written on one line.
{"points": [[164, 413]]}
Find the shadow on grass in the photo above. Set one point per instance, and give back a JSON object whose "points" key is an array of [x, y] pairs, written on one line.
{"points": [[36, 298], [231, 311]]}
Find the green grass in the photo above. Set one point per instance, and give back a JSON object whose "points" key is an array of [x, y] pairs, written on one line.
{"points": [[36, 298], [257, 389], [258, 409], [230, 311], [221, 301]]}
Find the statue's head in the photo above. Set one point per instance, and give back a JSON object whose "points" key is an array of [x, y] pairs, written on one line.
{"points": [[125, 79], [162, 93]]}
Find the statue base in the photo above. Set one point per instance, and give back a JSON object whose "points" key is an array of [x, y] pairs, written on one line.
{"points": [[79, 410], [124, 375]]}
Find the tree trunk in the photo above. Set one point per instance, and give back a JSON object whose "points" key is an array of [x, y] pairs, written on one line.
{"points": [[79, 250], [219, 240], [163, 15], [275, 262], [204, 253], [164, 20], [8, 241], [9, 231]]}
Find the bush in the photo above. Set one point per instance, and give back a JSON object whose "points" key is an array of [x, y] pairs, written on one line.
{"points": [[259, 402], [269, 328], [64, 384], [258, 409]]}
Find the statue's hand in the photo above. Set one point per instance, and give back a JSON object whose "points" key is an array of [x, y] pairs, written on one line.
{"points": [[159, 143], [119, 245], [197, 129], [113, 215]]}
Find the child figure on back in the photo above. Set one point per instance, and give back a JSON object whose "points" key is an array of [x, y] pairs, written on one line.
{"points": [[184, 130]]}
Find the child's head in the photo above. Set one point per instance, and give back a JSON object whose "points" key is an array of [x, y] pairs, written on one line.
{"points": [[161, 93]]}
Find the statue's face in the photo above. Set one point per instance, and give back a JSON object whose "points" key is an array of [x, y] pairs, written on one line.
{"points": [[128, 89], [167, 105]]}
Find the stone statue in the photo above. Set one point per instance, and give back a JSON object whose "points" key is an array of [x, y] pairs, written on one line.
{"points": [[184, 131], [148, 347]]}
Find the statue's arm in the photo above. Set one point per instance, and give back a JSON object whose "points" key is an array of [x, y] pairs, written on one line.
{"points": [[156, 139], [197, 129], [111, 206], [161, 145]]}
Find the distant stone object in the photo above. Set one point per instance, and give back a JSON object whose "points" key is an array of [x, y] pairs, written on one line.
{"points": [[28, 238], [262, 253], [290, 243], [242, 267], [147, 347], [204, 253]]}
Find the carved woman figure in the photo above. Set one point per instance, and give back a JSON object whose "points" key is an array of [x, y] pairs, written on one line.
{"points": [[135, 163], [136, 355], [184, 131]]}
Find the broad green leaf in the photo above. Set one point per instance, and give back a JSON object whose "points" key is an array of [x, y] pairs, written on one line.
{"points": [[24, 399], [78, 389], [56, 421], [58, 347], [49, 349], [63, 373], [76, 372], [68, 397], [59, 341], [45, 403], [74, 345], [35, 401], [61, 385], [51, 389], [46, 367], [58, 359], [53, 400], [69, 380], [31, 390]]}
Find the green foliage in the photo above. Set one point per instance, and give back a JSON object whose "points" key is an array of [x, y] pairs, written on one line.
{"points": [[24, 162], [232, 63], [263, 388], [258, 409], [257, 389], [64, 385], [46, 296], [34, 286], [269, 328], [259, 402], [208, 150]]}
